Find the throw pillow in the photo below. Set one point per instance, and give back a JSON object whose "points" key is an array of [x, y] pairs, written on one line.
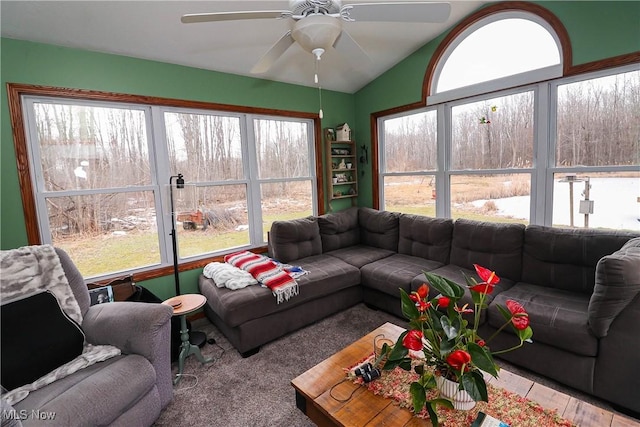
{"points": [[617, 284], [37, 337]]}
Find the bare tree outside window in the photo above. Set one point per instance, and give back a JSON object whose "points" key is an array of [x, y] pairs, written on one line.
{"points": [[94, 167], [208, 149], [101, 175]]}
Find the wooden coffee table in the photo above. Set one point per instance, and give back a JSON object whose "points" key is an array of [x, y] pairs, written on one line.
{"points": [[349, 404]]}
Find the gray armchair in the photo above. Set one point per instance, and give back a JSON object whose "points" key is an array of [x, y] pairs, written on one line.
{"points": [[129, 389]]}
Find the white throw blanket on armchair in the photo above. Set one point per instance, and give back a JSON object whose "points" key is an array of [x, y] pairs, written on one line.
{"points": [[30, 270]]}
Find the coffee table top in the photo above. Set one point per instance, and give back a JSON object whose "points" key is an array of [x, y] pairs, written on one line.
{"points": [[332, 401]]}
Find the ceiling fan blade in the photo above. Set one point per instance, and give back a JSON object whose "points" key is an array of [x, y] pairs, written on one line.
{"points": [[348, 47], [396, 12], [273, 54], [233, 16]]}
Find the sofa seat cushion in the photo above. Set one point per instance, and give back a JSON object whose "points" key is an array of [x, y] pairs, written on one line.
{"points": [[360, 255], [456, 274], [557, 317], [327, 275], [397, 271], [95, 395]]}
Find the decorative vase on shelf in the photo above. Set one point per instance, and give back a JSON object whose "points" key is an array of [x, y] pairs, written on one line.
{"points": [[460, 398]]}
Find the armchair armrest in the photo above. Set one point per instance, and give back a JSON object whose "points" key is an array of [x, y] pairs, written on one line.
{"points": [[136, 328], [617, 284], [133, 327]]}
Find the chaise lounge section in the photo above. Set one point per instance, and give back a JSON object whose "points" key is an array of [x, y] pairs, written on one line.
{"points": [[580, 287]]}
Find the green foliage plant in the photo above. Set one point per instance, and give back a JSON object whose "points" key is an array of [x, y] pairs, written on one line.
{"points": [[445, 343]]}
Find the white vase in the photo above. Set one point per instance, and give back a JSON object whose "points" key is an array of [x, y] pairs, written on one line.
{"points": [[460, 398]]}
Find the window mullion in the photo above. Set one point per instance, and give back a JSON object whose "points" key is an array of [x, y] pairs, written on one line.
{"points": [[443, 178], [161, 171], [541, 188], [251, 174]]}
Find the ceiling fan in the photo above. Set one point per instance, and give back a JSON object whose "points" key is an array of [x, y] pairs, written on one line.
{"points": [[317, 24]]}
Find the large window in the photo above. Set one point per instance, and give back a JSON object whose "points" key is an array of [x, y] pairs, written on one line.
{"points": [[410, 161], [596, 174], [101, 173], [518, 145]]}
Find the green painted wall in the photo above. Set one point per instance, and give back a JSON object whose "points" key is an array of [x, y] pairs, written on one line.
{"points": [[597, 30]]}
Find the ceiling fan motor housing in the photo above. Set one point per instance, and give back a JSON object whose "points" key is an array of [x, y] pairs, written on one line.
{"points": [[304, 7], [316, 31]]}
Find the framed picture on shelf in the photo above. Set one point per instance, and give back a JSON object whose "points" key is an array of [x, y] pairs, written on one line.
{"points": [[329, 134], [101, 295]]}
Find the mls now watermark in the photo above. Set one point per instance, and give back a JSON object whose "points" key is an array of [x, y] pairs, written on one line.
{"points": [[23, 414]]}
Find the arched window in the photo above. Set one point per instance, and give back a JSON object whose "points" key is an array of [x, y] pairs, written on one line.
{"points": [[501, 50]]}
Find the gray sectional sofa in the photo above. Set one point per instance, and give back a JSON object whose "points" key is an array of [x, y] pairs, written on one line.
{"points": [[581, 287]]}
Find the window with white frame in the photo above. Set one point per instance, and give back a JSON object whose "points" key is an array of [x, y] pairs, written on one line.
{"points": [[499, 51], [596, 156], [101, 170], [409, 162], [529, 147]]}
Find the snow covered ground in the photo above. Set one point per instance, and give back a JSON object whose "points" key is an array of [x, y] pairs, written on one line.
{"points": [[615, 204]]}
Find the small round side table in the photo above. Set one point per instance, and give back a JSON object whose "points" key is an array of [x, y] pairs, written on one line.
{"points": [[183, 305]]}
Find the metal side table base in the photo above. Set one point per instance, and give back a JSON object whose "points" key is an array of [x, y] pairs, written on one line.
{"points": [[187, 349], [183, 305]]}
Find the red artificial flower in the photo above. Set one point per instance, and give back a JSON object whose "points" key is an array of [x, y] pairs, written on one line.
{"points": [[482, 343], [489, 280], [423, 306], [489, 277], [414, 297], [423, 291], [458, 358], [444, 302], [464, 309], [520, 317], [483, 288], [413, 340]]}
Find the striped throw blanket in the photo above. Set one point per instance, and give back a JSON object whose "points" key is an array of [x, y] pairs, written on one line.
{"points": [[267, 272]]}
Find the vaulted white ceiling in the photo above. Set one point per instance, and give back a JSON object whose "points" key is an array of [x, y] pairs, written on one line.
{"points": [[152, 30]]}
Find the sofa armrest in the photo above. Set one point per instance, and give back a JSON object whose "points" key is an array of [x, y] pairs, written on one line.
{"points": [[617, 284]]}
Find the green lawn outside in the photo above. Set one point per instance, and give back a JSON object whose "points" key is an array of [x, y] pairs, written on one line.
{"points": [[108, 253]]}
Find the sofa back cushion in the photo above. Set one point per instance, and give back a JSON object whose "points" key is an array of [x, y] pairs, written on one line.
{"points": [[294, 239], [493, 245], [339, 230], [566, 258], [425, 237], [617, 284], [379, 229]]}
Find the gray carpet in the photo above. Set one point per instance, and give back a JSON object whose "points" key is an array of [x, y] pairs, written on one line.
{"points": [[256, 391]]}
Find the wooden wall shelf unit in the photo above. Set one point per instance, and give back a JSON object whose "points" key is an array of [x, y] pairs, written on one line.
{"points": [[342, 170]]}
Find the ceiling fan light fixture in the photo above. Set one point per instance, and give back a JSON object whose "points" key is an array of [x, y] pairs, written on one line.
{"points": [[317, 31]]}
